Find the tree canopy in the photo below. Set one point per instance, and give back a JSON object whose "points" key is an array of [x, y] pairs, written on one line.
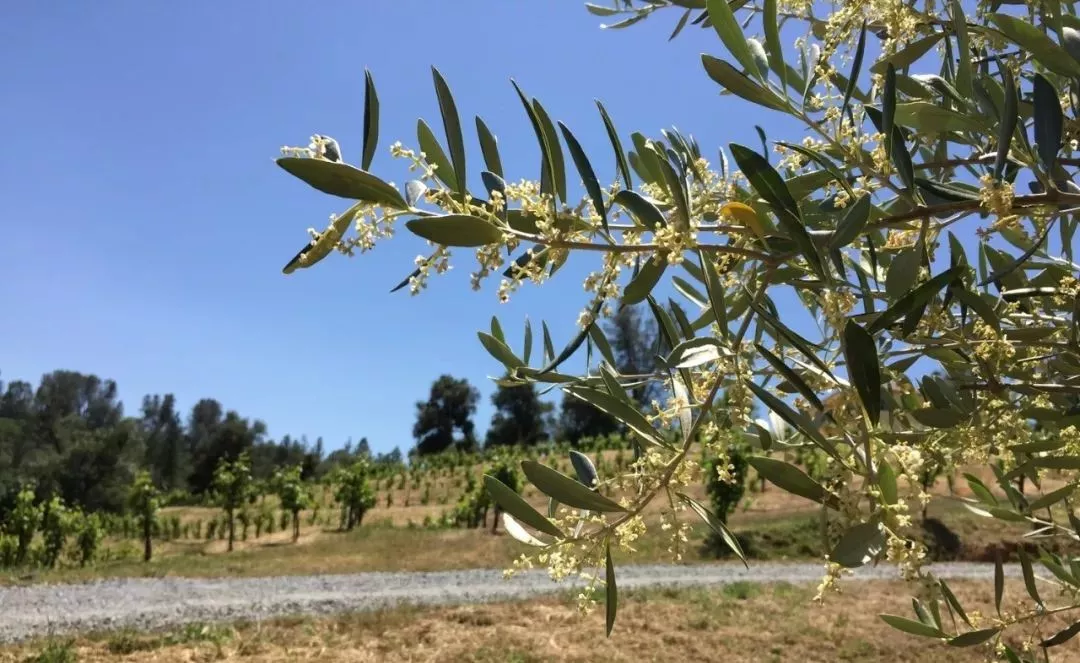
{"points": [[897, 224]]}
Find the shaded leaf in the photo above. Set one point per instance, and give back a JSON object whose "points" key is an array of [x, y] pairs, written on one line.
{"points": [[517, 507], [1007, 122], [647, 278], [853, 223], [1048, 122], [717, 526], [489, 147], [434, 155], [643, 211], [584, 468], [902, 272], [770, 186], [371, 121], [581, 161], [791, 376], [972, 638], [616, 145], [793, 417], [858, 545], [452, 126], [558, 167], [1062, 636], [611, 593], [916, 298], [864, 368]]}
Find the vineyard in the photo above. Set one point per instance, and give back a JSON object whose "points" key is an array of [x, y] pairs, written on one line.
{"points": [[398, 517]]}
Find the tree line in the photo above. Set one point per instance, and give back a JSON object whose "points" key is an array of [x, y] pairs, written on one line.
{"points": [[70, 437]]}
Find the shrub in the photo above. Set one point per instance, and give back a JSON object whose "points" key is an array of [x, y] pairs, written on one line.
{"points": [[88, 535], [143, 502]]}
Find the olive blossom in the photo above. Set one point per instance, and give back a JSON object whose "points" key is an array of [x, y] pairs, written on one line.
{"points": [[922, 119]]}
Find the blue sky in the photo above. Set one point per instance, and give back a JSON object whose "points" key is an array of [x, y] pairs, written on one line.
{"points": [[146, 224]]}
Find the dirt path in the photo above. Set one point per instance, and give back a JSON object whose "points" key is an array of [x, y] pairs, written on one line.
{"points": [[40, 610]]}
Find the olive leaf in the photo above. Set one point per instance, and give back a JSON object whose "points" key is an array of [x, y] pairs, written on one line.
{"points": [[616, 145], [647, 278], [342, 180], [1048, 122], [513, 504], [452, 127], [581, 161], [456, 230], [489, 147], [793, 480], [371, 121], [717, 526], [566, 490], [864, 368], [611, 592], [858, 545]]}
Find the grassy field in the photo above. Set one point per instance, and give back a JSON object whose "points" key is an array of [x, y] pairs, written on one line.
{"points": [[739, 622]]}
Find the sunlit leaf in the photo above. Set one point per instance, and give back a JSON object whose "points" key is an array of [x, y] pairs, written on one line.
{"points": [[792, 479], [566, 490], [456, 230], [739, 84], [342, 180]]}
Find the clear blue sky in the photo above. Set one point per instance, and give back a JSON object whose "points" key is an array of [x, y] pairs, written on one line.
{"points": [[145, 224]]}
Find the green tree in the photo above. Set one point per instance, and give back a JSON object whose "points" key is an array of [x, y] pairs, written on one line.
{"points": [[579, 418], [143, 503], [167, 454], [295, 495], [449, 407], [519, 417], [232, 487], [634, 340], [836, 267]]}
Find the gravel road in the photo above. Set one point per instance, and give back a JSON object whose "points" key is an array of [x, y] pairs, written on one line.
{"points": [[40, 610]]}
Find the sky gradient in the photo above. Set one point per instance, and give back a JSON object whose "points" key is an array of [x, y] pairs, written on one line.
{"points": [[146, 224]]}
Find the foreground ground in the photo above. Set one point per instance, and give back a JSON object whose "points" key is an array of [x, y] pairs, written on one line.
{"points": [[741, 621], [38, 610]]}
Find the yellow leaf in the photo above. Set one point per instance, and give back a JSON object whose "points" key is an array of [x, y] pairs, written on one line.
{"points": [[743, 215]]}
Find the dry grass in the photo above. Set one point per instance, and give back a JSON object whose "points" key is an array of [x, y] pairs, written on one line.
{"points": [[740, 622]]}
